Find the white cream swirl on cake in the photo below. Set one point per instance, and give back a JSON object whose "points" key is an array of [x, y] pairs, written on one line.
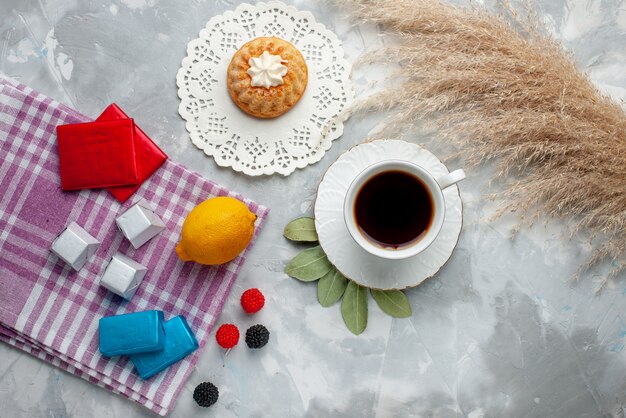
{"points": [[267, 70]]}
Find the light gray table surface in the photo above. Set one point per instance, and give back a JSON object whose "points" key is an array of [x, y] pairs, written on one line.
{"points": [[500, 331]]}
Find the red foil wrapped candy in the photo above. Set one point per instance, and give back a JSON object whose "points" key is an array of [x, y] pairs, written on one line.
{"points": [[148, 155], [97, 154]]}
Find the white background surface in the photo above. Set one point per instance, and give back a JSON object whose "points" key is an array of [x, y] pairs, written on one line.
{"points": [[501, 331]]}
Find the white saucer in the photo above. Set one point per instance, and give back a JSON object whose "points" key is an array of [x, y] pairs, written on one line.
{"points": [[341, 249]]}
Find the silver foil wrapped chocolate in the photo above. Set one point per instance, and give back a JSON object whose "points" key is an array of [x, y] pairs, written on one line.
{"points": [[75, 246], [123, 275], [139, 223]]}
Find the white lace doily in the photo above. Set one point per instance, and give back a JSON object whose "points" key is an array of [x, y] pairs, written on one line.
{"points": [[256, 146]]}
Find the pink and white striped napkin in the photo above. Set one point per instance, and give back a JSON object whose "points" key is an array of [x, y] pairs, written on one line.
{"points": [[51, 311]]}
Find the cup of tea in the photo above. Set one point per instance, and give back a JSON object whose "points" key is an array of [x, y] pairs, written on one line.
{"points": [[395, 209]]}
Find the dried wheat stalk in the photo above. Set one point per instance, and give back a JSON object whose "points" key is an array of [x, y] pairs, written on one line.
{"points": [[499, 89]]}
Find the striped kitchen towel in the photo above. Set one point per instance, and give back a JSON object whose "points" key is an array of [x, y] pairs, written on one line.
{"points": [[51, 311]]}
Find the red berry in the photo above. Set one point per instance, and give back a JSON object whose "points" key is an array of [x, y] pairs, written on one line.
{"points": [[252, 300], [227, 336]]}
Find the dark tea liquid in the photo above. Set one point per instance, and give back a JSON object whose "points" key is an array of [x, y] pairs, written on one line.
{"points": [[393, 209]]}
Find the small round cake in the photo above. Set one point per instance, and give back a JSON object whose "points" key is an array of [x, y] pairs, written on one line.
{"points": [[266, 77]]}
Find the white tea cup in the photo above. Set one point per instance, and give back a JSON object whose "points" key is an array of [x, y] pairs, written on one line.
{"points": [[433, 186]]}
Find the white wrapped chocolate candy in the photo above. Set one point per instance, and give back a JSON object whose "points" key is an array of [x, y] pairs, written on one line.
{"points": [[139, 223], [75, 246], [123, 276]]}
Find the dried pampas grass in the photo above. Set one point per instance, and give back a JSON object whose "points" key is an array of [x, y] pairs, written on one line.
{"points": [[498, 89]]}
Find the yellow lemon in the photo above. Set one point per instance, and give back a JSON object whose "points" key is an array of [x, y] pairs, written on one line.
{"points": [[216, 231]]}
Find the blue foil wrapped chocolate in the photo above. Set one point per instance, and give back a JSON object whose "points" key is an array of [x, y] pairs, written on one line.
{"points": [[133, 333], [179, 342]]}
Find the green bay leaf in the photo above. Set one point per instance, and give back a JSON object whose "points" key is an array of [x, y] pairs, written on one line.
{"points": [[392, 302], [354, 308], [301, 229], [309, 265], [330, 288]]}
